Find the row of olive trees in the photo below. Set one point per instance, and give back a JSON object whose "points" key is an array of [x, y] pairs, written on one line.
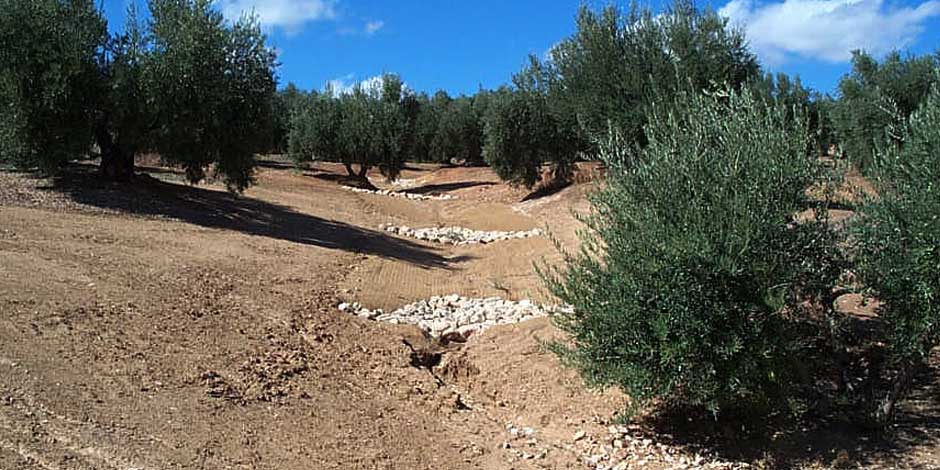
{"points": [[612, 73], [367, 127], [382, 126], [186, 84]]}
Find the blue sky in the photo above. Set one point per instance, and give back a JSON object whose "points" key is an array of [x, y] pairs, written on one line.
{"points": [[459, 46]]}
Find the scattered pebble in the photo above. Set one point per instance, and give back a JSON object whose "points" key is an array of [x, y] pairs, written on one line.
{"points": [[626, 447]]}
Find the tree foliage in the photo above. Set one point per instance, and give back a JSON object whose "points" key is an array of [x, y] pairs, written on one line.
{"points": [[448, 129], [899, 247], [187, 84], [799, 101], [619, 63], [877, 98], [368, 127], [459, 133], [286, 102], [212, 86], [525, 129], [692, 273], [49, 56], [611, 73]]}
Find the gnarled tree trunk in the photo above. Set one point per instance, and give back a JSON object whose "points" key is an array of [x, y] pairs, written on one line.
{"points": [[887, 407], [116, 163]]}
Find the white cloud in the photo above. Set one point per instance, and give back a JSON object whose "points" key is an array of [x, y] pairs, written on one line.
{"points": [[340, 86], [290, 15], [370, 28], [373, 27], [346, 84], [547, 55], [827, 29]]}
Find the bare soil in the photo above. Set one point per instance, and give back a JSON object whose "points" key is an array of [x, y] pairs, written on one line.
{"points": [[161, 326]]}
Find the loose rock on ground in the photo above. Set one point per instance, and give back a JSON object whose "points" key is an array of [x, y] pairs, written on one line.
{"points": [[460, 235], [403, 195], [454, 315], [621, 448]]}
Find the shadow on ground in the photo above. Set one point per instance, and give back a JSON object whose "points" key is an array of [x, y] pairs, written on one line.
{"points": [[416, 168], [444, 187], [216, 209], [834, 439], [275, 163], [545, 191]]}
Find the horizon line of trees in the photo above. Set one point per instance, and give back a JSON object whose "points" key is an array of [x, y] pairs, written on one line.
{"points": [[610, 74], [201, 92]]}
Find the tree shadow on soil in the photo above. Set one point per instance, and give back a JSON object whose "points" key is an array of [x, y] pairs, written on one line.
{"points": [[831, 439], [274, 164], [546, 190], [416, 168], [342, 179], [327, 176], [444, 187], [148, 196]]}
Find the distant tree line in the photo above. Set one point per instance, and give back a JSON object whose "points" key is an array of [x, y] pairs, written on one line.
{"points": [[382, 125], [610, 74]]}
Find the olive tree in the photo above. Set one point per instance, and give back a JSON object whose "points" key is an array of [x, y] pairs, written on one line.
{"points": [[617, 64], [459, 133], [526, 129], [877, 98], [367, 127], [49, 79], [286, 103], [611, 73], [187, 84], [693, 274], [212, 85], [898, 240]]}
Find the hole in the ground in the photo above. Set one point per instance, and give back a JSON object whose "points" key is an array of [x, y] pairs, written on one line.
{"points": [[423, 358]]}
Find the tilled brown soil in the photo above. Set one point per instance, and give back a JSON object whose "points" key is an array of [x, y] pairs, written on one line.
{"points": [[166, 326], [176, 327]]}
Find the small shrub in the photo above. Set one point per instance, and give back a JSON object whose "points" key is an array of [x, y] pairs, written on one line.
{"points": [[691, 280]]}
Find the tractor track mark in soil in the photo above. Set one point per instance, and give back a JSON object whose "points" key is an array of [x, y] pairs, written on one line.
{"points": [[52, 433]]}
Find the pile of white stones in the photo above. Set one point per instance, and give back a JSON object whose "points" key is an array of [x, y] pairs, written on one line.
{"points": [[453, 314], [459, 235], [403, 195], [405, 183]]}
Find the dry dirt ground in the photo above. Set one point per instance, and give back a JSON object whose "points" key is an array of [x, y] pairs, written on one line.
{"points": [[162, 326]]}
